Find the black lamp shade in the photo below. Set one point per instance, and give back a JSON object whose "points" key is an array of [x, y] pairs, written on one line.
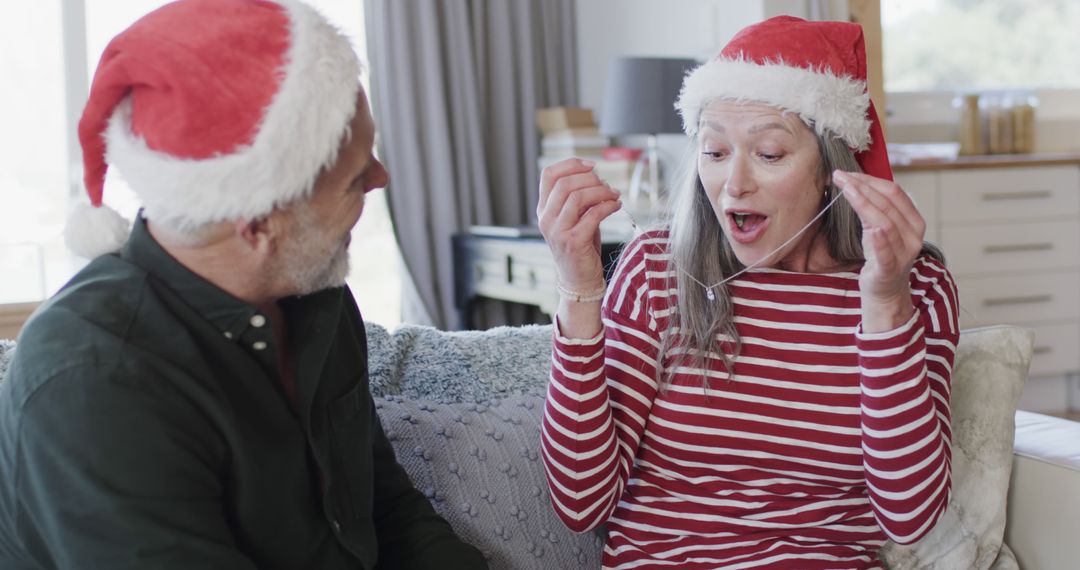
{"points": [[639, 98]]}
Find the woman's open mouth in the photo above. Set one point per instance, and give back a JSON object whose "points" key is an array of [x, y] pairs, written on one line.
{"points": [[746, 226]]}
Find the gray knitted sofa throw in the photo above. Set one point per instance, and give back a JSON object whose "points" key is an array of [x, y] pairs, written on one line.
{"points": [[463, 411]]}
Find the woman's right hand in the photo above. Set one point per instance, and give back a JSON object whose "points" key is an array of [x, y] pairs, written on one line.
{"points": [[573, 202]]}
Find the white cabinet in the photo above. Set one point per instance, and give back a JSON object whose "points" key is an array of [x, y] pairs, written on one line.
{"points": [[1011, 237], [1008, 194], [976, 249], [922, 187]]}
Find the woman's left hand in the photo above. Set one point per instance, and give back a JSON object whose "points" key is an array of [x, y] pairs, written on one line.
{"points": [[892, 237]]}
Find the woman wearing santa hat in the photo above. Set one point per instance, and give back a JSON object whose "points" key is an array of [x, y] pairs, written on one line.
{"points": [[765, 381]]}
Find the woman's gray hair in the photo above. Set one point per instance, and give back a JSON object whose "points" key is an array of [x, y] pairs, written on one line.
{"points": [[699, 248]]}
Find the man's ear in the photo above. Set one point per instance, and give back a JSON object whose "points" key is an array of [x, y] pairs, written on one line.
{"points": [[260, 235]]}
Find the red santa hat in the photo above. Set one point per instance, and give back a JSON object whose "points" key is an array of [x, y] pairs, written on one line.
{"points": [[213, 110], [814, 69]]}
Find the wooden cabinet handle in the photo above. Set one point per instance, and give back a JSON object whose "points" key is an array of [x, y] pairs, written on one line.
{"points": [[1018, 195], [1018, 300], [1018, 247]]}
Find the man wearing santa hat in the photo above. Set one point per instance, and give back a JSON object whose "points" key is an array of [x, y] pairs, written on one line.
{"points": [[197, 396]]}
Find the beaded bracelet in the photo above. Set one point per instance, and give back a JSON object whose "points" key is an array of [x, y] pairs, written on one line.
{"points": [[586, 297]]}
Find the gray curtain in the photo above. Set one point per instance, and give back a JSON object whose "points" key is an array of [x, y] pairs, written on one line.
{"points": [[826, 10], [455, 84], [809, 9]]}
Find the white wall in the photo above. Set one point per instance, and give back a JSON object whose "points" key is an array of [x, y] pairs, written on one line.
{"points": [[671, 28], [667, 28]]}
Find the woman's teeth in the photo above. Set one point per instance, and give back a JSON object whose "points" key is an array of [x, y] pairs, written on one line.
{"points": [[740, 219]]}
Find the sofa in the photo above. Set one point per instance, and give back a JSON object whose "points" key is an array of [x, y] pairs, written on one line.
{"points": [[463, 412]]}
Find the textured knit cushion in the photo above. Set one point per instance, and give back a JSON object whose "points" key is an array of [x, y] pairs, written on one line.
{"points": [[464, 366], [7, 350], [479, 465], [989, 372], [463, 410]]}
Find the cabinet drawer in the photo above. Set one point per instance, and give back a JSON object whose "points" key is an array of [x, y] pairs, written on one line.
{"points": [[1057, 349], [1009, 194], [1002, 248], [535, 274], [489, 265], [521, 271], [922, 187], [1044, 296]]}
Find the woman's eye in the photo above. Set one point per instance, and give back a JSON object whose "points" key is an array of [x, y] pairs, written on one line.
{"points": [[770, 157], [713, 154]]}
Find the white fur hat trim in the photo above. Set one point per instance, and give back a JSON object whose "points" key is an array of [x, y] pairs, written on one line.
{"points": [[829, 102]]}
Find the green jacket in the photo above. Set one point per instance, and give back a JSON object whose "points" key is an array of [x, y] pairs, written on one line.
{"points": [[143, 425]]}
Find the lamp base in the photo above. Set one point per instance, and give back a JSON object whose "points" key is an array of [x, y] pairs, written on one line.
{"points": [[651, 187]]}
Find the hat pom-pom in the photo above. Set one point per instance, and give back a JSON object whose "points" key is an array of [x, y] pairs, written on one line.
{"points": [[92, 231]]}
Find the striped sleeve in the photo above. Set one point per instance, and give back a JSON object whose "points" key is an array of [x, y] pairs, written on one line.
{"points": [[599, 397], [905, 408]]}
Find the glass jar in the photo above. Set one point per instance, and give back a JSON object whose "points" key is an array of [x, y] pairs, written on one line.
{"points": [[1023, 122], [969, 126], [998, 115]]}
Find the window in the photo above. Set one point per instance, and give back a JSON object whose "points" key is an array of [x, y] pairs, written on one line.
{"points": [[376, 262], [933, 45], [105, 19], [40, 165], [33, 177]]}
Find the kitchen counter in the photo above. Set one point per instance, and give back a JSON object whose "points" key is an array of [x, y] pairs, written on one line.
{"points": [[991, 161]]}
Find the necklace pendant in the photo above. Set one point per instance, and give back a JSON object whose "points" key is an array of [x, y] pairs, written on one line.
{"points": [[709, 295]]}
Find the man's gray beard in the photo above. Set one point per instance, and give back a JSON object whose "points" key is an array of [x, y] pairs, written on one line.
{"points": [[318, 276], [304, 263]]}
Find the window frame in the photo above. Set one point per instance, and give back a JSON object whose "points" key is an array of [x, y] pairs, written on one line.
{"points": [[934, 107]]}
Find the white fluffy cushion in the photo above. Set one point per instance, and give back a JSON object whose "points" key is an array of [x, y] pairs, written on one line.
{"points": [[990, 369]]}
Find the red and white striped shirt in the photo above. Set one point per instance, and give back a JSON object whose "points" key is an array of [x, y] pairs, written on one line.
{"points": [[824, 442]]}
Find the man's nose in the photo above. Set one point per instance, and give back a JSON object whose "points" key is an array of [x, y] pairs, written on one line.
{"points": [[380, 178]]}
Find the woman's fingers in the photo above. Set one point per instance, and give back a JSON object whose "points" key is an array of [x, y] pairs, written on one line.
{"points": [[588, 225], [886, 251], [888, 198], [875, 210], [573, 201], [578, 203], [558, 190], [869, 214], [569, 186], [889, 250], [568, 197], [555, 172]]}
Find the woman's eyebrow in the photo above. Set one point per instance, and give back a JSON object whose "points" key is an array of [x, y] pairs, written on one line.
{"points": [[767, 126], [753, 130]]}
